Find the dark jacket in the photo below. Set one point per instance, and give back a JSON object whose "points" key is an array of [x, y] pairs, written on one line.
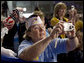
{"points": [[9, 38]]}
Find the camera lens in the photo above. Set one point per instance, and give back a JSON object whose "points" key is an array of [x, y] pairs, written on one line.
{"points": [[70, 27]]}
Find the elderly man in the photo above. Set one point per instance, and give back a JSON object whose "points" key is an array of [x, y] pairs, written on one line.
{"points": [[38, 47]]}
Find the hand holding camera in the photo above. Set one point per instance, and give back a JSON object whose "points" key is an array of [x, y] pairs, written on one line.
{"points": [[62, 28], [68, 26], [15, 15], [57, 30]]}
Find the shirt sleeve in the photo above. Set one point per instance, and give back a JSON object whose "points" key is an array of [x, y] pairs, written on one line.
{"points": [[25, 44], [22, 46], [61, 46]]}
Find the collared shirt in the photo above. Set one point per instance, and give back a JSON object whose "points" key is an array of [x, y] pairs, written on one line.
{"points": [[50, 53]]}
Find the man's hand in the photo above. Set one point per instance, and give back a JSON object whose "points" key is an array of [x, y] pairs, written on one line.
{"points": [[73, 41], [57, 30], [71, 34]]}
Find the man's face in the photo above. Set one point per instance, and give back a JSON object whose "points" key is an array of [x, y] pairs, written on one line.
{"points": [[37, 32]]}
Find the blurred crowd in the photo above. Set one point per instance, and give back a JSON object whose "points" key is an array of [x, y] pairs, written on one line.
{"points": [[20, 28]]}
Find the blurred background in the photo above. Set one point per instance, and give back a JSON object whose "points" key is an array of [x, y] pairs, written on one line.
{"points": [[46, 6]]}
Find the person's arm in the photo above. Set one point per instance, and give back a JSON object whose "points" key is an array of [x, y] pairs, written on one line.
{"points": [[64, 46], [72, 44], [35, 50], [30, 53], [73, 41]]}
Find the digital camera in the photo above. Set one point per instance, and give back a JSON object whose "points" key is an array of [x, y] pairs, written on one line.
{"points": [[12, 14], [68, 26]]}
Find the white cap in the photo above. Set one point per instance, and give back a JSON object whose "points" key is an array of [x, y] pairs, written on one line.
{"points": [[34, 21]]}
